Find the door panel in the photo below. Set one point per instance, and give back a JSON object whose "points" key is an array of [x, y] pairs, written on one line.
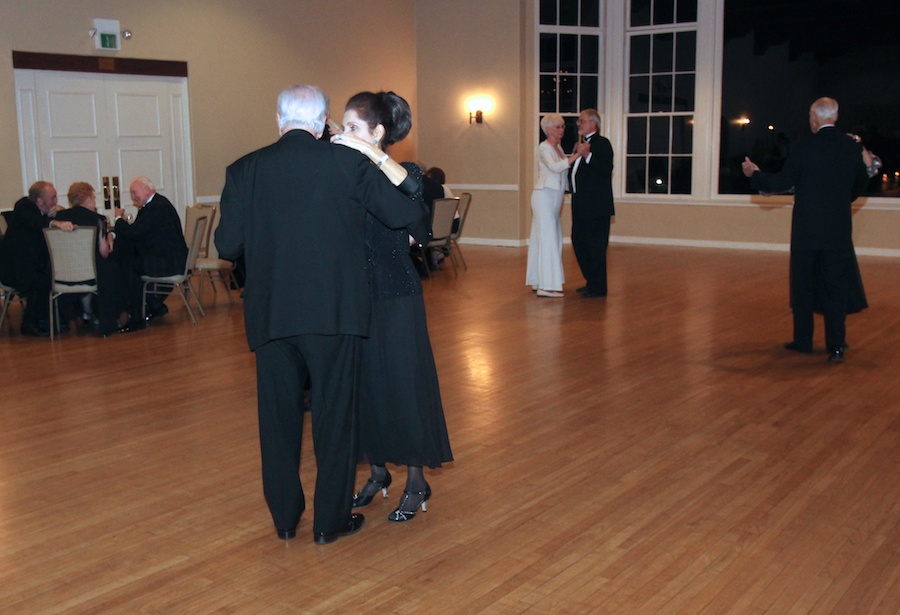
{"points": [[86, 126]]}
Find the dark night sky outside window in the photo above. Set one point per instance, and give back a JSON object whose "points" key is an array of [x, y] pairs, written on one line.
{"points": [[780, 57], [661, 97]]}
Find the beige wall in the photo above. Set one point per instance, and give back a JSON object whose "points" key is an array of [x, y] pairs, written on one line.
{"points": [[467, 48], [436, 53], [240, 54]]}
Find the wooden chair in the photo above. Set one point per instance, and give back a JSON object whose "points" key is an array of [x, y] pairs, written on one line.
{"points": [[7, 293], [442, 216], [213, 268], [191, 214], [465, 199]]}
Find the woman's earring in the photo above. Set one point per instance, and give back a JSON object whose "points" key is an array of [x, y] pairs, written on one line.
{"points": [[376, 142]]}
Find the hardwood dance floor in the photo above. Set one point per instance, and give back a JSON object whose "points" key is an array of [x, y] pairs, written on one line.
{"points": [[657, 452]]}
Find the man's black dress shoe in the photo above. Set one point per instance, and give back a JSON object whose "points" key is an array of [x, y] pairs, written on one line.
{"points": [[836, 355], [156, 312], [797, 348], [581, 290], [353, 526], [287, 534], [131, 326], [590, 294], [34, 330]]}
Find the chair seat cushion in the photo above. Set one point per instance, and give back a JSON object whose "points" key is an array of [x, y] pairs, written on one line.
{"points": [[164, 279], [213, 263]]}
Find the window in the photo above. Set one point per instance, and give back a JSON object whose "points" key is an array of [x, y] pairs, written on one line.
{"points": [[779, 58], [569, 47], [662, 60]]}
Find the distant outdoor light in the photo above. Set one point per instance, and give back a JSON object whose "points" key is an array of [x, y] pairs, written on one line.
{"points": [[771, 127], [477, 106]]}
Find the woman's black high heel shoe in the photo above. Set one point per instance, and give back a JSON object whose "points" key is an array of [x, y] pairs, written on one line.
{"points": [[410, 504], [367, 493]]}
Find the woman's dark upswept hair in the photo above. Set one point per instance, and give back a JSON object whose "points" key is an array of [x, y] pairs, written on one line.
{"points": [[385, 108]]}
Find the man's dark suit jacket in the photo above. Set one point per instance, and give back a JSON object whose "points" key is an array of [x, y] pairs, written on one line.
{"points": [[154, 242], [81, 216], [593, 196], [23, 254], [827, 173], [296, 210]]}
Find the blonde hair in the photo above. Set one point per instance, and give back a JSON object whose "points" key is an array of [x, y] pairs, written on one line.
{"points": [[550, 120], [79, 192]]}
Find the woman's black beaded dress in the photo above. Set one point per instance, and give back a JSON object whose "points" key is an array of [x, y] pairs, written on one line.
{"points": [[401, 416]]}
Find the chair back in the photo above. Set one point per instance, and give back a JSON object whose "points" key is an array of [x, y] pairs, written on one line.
{"points": [[191, 214], [442, 216], [73, 259], [196, 241], [212, 252], [465, 199]]}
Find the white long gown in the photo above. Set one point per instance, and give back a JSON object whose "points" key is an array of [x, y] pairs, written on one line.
{"points": [[545, 269]]}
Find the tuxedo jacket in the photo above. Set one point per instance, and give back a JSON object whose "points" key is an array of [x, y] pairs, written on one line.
{"points": [[827, 173], [593, 196], [81, 216], [296, 210], [154, 242], [23, 251]]}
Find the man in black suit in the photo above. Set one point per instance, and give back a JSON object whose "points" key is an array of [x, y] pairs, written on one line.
{"points": [[592, 203], [827, 173], [296, 210], [24, 259], [153, 245]]}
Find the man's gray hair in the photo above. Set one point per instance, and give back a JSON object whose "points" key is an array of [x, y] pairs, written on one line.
{"points": [[302, 106], [825, 109], [145, 182], [593, 116]]}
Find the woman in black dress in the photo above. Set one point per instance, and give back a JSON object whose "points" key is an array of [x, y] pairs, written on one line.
{"points": [[110, 280], [401, 416]]}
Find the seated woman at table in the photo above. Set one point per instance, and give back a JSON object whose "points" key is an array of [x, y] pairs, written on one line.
{"points": [[83, 212]]}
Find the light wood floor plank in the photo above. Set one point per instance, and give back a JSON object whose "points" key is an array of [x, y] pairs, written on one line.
{"points": [[656, 452]]}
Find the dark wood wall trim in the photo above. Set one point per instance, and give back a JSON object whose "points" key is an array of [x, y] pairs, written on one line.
{"points": [[98, 64]]}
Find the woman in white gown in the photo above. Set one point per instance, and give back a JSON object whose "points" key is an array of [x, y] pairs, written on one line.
{"points": [[545, 270]]}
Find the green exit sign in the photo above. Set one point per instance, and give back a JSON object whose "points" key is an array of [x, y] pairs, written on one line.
{"points": [[109, 41]]}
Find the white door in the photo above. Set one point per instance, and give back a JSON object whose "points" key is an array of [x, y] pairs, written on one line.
{"points": [[105, 130]]}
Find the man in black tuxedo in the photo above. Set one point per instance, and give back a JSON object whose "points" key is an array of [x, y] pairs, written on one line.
{"points": [[153, 245], [827, 173], [24, 259], [592, 203], [296, 210]]}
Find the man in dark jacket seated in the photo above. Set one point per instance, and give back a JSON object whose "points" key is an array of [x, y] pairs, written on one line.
{"points": [[153, 244], [24, 259]]}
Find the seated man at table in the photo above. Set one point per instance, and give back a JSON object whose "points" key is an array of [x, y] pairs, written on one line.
{"points": [[24, 259], [153, 245]]}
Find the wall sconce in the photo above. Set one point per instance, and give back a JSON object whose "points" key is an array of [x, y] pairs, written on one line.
{"points": [[477, 106], [743, 121]]}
